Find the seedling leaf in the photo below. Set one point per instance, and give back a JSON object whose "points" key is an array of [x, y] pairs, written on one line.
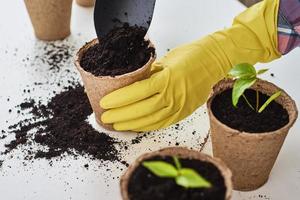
{"points": [[239, 88], [161, 169], [244, 71], [272, 98], [262, 71], [184, 177], [189, 178]]}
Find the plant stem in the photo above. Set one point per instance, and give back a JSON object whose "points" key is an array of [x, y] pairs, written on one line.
{"points": [[177, 162], [249, 104], [257, 100]]}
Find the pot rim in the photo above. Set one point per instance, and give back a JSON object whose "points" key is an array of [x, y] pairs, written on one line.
{"points": [[93, 42], [293, 114], [181, 152]]}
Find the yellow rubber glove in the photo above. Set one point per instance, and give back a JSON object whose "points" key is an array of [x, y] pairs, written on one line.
{"points": [[182, 80]]}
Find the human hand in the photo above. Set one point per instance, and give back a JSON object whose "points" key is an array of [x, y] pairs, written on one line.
{"points": [[181, 80]]}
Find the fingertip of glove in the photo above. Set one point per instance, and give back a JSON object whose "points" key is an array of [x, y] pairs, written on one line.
{"points": [[104, 118], [117, 127], [103, 103], [156, 66]]}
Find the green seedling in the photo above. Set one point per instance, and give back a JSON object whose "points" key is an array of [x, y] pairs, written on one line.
{"points": [[185, 177], [245, 76]]}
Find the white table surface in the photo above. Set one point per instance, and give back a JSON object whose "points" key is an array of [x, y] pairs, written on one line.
{"points": [[174, 22]]}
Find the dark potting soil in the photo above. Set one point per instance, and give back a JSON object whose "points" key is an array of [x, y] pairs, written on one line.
{"points": [[143, 185], [121, 51], [61, 127], [243, 118]]}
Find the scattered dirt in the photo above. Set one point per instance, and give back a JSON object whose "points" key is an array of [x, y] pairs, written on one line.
{"points": [[121, 51], [27, 104], [3, 134], [55, 55], [145, 185], [202, 145], [243, 118], [61, 127]]}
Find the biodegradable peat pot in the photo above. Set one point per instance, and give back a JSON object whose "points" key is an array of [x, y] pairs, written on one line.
{"points": [[85, 3], [250, 156], [50, 18], [182, 154], [97, 87]]}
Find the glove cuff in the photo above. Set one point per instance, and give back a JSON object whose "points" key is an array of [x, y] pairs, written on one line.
{"points": [[253, 35]]}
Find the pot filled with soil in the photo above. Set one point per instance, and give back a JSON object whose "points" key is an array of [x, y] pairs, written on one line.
{"points": [[177, 174], [121, 58], [50, 18], [85, 3], [246, 138]]}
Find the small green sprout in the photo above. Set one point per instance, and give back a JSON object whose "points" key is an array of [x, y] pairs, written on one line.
{"points": [[185, 177], [245, 76]]}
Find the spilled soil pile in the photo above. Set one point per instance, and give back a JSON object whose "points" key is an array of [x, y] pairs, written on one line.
{"points": [[121, 51], [62, 127]]}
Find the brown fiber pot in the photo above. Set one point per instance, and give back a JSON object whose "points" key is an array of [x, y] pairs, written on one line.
{"points": [[250, 156], [85, 3], [97, 87], [179, 152], [50, 18]]}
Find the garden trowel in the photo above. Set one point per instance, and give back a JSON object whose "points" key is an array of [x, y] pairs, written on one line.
{"points": [[249, 3], [109, 14]]}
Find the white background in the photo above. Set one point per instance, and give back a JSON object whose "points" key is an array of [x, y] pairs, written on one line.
{"points": [[174, 22]]}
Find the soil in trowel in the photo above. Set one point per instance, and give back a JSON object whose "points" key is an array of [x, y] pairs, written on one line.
{"points": [[121, 51], [144, 185], [243, 118]]}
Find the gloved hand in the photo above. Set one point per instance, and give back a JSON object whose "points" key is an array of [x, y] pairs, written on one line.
{"points": [[182, 80]]}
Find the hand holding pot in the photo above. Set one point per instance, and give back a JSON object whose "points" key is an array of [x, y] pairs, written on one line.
{"points": [[181, 80]]}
